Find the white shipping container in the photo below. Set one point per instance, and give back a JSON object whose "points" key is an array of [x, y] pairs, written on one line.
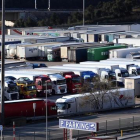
{"points": [[121, 53], [27, 52]]}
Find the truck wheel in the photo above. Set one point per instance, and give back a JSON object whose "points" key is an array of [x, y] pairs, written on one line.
{"points": [[53, 92]]}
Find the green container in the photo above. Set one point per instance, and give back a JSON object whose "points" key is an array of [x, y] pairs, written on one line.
{"points": [[101, 53]]}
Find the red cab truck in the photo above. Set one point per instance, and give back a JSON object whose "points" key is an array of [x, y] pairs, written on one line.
{"points": [[41, 82], [73, 81]]}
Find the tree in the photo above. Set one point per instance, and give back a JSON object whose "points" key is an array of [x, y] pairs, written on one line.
{"points": [[89, 13], [30, 23], [19, 23], [102, 94]]}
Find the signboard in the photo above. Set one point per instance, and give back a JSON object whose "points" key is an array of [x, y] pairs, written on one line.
{"points": [[34, 106], [78, 125], [1, 127]]}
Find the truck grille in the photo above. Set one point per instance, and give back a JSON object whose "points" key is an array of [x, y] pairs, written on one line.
{"points": [[62, 90], [14, 96]]}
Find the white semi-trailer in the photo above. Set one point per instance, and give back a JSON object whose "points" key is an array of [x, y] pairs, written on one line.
{"points": [[130, 66], [105, 74], [95, 101], [122, 53], [120, 72]]}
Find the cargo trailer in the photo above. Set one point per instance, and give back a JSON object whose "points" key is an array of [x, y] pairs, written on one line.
{"points": [[99, 101], [100, 53], [122, 53], [72, 50]]}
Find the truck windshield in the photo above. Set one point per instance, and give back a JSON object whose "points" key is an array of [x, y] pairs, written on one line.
{"points": [[112, 75], [125, 73], [61, 106], [48, 83], [76, 79], [138, 71], [33, 87], [61, 82]]}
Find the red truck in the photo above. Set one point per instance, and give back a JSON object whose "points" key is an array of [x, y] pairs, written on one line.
{"points": [[24, 108], [73, 81], [41, 82]]}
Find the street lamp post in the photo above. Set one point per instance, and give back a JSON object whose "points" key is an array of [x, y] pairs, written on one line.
{"points": [[83, 12], [46, 114], [35, 4], [49, 5], [2, 62]]}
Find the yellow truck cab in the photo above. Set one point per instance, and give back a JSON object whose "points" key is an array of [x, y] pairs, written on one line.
{"points": [[27, 88]]}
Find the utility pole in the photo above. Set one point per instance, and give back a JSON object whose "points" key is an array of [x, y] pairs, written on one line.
{"points": [[2, 62], [35, 4], [46, 112], [49, 5], [83, 12]]}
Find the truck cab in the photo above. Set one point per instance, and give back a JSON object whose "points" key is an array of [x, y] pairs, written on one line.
{"points": [[134, 70], [27, 89], [11, 91], [121, 73], [73, 82], [41, 82], [58, 84], [107, 75]]}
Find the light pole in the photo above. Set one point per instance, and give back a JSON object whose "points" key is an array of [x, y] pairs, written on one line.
{"points": [[49, 5], [35, 4], [46, 114], [83, 12], [2, 62]]}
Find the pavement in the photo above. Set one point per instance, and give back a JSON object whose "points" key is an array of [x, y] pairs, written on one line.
{"points": [[39, 129]]}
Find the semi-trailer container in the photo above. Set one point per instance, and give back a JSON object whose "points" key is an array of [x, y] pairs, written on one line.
{"points": [[132, 68], [121, 53], [94, 101], [100, 53], [24, 108], [105, 74], [73, 52]]}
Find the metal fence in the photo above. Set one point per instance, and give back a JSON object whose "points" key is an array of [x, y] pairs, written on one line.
{"points": [[105, 128]]}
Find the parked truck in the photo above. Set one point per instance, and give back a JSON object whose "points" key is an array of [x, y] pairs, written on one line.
{"points": [[130, 66], [105, 74], [38, 80], [86, 102], [11, 91], [133, 83], [120, 72], [27, 88], [58, 81], [85, 75]]}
